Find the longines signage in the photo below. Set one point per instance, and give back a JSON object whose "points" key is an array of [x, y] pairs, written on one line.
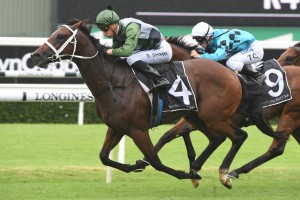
{"points": [[190, 12]]}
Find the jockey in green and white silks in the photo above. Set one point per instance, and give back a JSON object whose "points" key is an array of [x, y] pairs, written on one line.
{"points": [[140, 42], [239, 47]]}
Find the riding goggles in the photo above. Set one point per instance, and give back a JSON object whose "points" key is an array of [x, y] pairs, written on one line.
{"points": [[200, 39], [103, 28]]}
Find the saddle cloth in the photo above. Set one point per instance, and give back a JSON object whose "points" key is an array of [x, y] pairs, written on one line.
{"points": [[179, 95], [276, 83]]}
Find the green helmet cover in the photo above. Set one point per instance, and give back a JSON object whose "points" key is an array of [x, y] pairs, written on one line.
{"points": [[107, 17]]}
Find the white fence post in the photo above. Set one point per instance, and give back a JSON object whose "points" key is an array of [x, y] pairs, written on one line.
{"points": [[109, 169], [81, 113], [121, 153]]}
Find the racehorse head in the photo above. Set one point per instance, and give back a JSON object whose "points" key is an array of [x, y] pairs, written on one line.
{"points": [[63, 44], [291, 56]]}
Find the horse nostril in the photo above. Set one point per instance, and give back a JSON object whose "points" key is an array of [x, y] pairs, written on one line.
{"points": [[34, 60], [35, 55]]}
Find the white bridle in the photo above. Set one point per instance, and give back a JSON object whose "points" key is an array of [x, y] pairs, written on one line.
{"points": [[71, 39]]}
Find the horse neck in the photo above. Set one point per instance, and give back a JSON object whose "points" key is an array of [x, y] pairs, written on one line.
{"points": [[180, 53], [95, 72], [99, 72]]}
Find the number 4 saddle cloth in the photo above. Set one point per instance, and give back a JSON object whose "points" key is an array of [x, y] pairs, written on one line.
{"points": [[177, 96]]}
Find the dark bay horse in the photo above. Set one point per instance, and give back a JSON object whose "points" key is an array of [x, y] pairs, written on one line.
{"points": [[124, 107], [288, 112]]}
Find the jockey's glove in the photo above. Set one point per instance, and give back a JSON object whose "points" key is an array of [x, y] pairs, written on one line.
{"points": [[102, 49], [200, 50]]}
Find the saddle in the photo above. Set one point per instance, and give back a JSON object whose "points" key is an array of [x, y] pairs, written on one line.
{"points": [[177, 96], [276, 84]]}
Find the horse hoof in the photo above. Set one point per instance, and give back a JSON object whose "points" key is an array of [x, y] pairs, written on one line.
{"points": [[195, 175], [233, 174], [228, 183], [195, 182], [139, 170], [225, 179]]}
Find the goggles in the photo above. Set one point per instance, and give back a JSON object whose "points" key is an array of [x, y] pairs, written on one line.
{"points": [[103, 28], [200, 39]]}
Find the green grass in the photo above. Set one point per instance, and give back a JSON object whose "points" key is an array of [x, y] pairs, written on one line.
{"points": [[47, 161]]}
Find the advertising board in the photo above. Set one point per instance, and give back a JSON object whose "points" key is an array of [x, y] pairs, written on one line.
{"points": [[189, 12]]}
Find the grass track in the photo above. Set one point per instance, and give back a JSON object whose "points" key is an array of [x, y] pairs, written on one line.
{"points": [[50, 161]]}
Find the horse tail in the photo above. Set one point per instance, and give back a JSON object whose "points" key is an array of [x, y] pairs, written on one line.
{"points": [[252, 108]]}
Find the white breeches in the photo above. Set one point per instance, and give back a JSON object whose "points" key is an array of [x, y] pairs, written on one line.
{"points": [[248, 56], [153, 56]]}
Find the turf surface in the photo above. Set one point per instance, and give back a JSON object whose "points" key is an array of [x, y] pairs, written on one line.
{"points": [[50, 161]]}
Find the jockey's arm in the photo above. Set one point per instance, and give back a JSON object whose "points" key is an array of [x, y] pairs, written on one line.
{"points": [[132, 35], [218, 55]]}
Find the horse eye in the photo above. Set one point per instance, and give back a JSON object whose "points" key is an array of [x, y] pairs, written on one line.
{"points": [[60, 36], [288, 58]]}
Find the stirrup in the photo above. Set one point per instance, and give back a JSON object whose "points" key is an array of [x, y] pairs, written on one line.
{"points": [[162, 83], [257, 66], [260, 79]]}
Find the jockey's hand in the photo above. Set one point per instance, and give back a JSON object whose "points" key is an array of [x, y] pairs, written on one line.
{"points": [[194, 54], [102, 49], [109, 51]]}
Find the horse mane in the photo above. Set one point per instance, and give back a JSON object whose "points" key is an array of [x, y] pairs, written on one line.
{"points": [[183, 42], [297, 44], [86, 29]]}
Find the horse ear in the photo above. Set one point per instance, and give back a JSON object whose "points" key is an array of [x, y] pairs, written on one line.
{"points": [[77, 24], [297, 50], [86, 24]]}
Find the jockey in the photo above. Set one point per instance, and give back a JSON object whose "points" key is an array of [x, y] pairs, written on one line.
{"points": [[140, 42], [239, 47]]}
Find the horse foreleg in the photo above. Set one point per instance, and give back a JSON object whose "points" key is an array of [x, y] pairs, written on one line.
{"points": [[296, 135], [111, 140], [214, 142], [237, 139], [144, 143], [276, 149], [181, 128], [189, 148]]}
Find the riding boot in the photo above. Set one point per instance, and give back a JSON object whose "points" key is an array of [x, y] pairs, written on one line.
{"points": [[151, 73], [254, 74]]}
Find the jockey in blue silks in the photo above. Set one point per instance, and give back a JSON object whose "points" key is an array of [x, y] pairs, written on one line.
{"points": [[239, 47]]}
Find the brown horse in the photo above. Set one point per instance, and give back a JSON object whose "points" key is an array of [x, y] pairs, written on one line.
{"points": [[288, 112], [291, 56], [124, 107]]}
